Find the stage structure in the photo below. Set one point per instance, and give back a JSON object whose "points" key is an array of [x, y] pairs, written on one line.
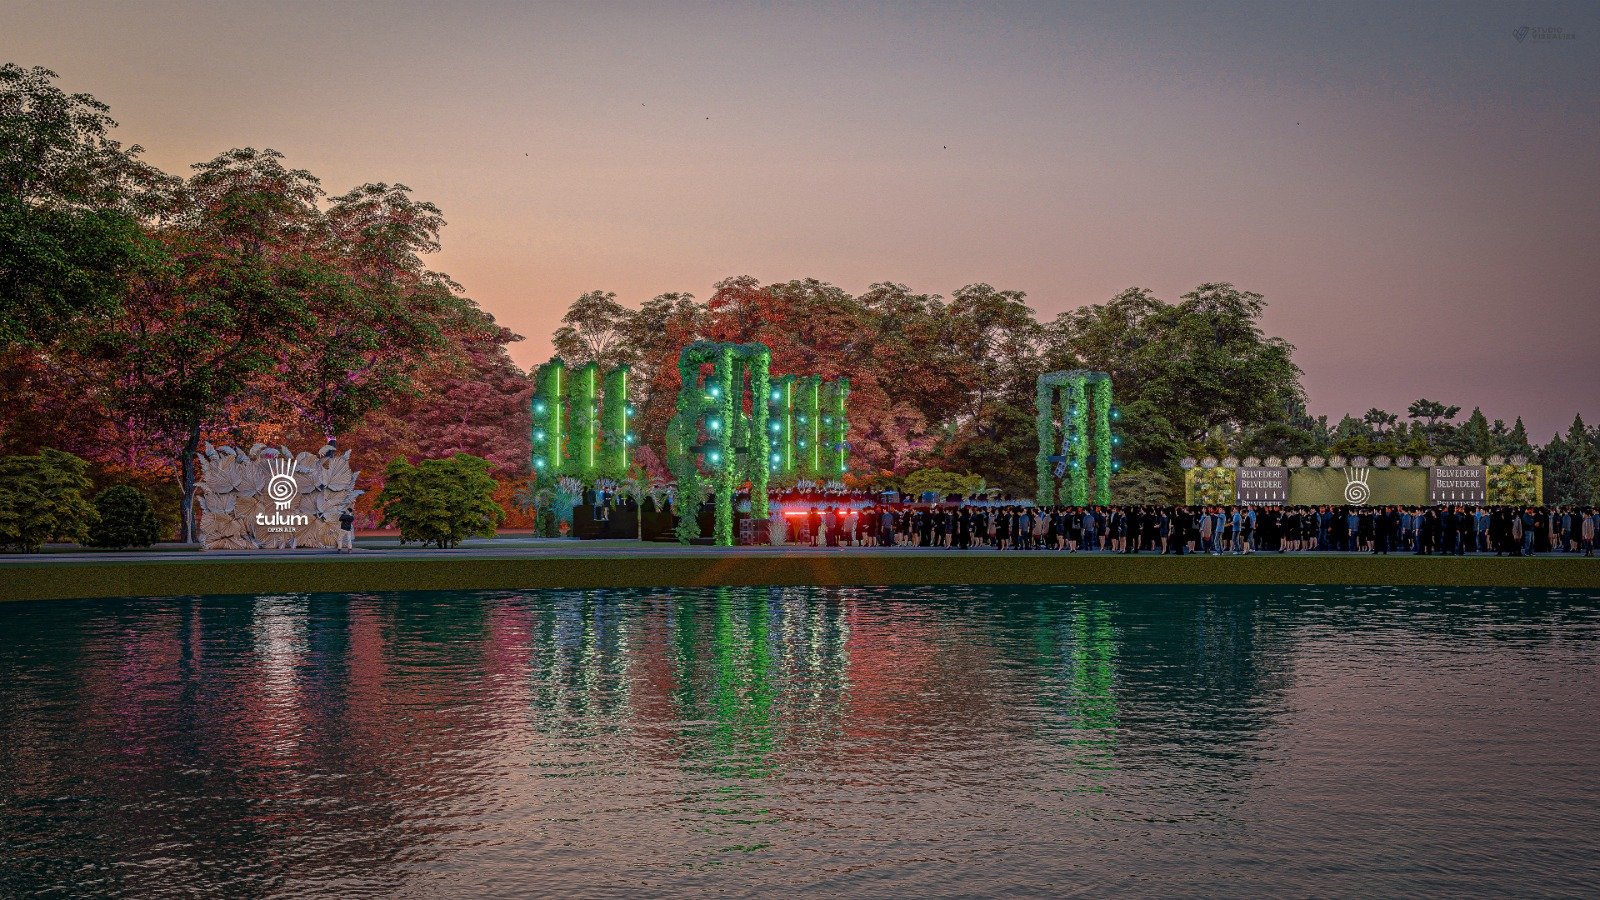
{"points": [[1074, 417], [713, 438], [736, 423], [581, 422]]}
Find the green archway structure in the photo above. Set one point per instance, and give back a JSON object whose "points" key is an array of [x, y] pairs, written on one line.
{"points": [[713, 437], [1074, 415]]}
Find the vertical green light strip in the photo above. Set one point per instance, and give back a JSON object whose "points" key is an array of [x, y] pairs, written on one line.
{"points": [[624, 420], [816, 427], [590, 413], [555, 448], [788, 425]]}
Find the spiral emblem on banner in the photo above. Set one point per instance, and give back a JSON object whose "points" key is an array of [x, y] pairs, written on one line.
{"points": [[1356, 491], [281, 487]]}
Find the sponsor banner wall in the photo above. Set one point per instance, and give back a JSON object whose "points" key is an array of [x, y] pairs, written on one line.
{"points": [[1457, 484], [1262, 485], [1337, 487]]}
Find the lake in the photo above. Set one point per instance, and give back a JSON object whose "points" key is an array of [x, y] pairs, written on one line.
{"points": [[870, 741]]}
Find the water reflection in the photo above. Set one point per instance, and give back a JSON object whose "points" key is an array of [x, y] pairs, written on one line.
{"points": [[875, 740]]}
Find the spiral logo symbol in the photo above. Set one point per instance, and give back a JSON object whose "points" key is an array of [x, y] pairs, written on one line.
{"points": [[1356, 491], [281, 487]]}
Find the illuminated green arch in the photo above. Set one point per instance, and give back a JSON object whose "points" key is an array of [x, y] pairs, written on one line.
{"points": [[1063, 463], [711, 437]]}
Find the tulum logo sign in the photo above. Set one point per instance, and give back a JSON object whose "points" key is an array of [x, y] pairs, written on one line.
{"points": [[1356, 491], [281, 490]]}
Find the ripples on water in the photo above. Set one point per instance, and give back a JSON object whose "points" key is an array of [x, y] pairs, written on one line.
{"points": [[889, 741]]}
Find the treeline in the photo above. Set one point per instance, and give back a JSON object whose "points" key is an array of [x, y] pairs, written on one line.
{"points": [[948, 382], [143, 314]]}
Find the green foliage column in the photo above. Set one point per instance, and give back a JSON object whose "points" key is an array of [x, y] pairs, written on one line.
{"points": [[724, 452], [808, 422], [835, 427], [615, 413], [1076, 423], [781, 425], [1103, 441], [583, 434], [683, 437], [549, 443], [759, 447], [1044, 393]]}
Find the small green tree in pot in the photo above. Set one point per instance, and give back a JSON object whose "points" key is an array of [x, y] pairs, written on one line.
{"points": [[125, 519], [440, 501], [41, 499]]}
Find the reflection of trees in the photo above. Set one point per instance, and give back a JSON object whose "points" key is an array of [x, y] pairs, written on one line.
{"points": [[253, 745]]}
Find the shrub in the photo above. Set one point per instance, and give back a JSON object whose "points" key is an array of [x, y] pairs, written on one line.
{"points": [[440, 501], [41, 499], [124, 519]]}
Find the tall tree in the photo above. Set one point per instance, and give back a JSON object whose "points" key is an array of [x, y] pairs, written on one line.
{"points": [[70, 198], [1181, 370], [594, 330], [233, 297], [384, 317]]}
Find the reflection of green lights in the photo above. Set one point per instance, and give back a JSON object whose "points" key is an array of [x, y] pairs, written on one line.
{"points": [[1085, 691]]}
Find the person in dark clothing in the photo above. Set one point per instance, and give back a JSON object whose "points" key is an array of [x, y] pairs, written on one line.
{"points": [[347, 530]]}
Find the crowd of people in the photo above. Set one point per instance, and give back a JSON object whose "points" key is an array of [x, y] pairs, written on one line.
{"points": [[1016, 525]]}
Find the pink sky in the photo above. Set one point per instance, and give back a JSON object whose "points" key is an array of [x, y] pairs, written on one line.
{"points": [[1414, 190]]}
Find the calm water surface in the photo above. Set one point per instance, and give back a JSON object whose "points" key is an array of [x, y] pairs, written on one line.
{"points": [[877, 741]]}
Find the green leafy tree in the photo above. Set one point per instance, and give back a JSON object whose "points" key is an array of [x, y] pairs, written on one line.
{"points": [[1571, 467], [440, 501], [594, 329], [234, 296], [1188, 367], [1473, 436], [69, 204], [381, 317], [1380, 421], [1434, 418], [1516, 442], [123, 518], [1279, 439], [42, 499]]}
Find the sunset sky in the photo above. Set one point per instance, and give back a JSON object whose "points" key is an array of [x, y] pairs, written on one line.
{"points": [[1415, 190]]}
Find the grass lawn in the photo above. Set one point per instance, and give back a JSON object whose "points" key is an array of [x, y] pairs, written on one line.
{"points": [[623, 564]]}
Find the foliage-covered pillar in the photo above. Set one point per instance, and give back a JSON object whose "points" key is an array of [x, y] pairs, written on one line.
{"points": [[781, 413], [1079, 393], [759, 444], [808, 442], [583, 432], [1078, 441], [1044, 402], [615, 412], [1104, 464], [835, 427], [548, 441]]}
